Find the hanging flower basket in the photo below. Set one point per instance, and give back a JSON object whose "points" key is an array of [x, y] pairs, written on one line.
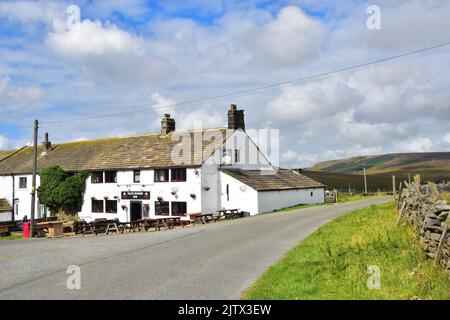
{"points": [[160, 199], [206, 188], [193, 196]]}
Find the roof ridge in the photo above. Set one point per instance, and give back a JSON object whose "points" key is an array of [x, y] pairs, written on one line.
{"points": [[140, 135], [13, 152]]}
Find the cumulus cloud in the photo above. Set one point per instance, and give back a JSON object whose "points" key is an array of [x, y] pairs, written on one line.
{"points": [[289, 39], [106, 50], [446, 138], [415, 145], [204, 116], [3, 142], [107, 64], [312, 101], [18, 99], [31, 11]]}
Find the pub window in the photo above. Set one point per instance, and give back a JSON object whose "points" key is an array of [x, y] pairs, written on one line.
{"points": [[110, 176], [237, 156], [97, 206], [162, 208], [97, 177], [146, 210], [22, 182], [111, 206], [178, 175], [161, 175], [137, 176], [179, 208]]}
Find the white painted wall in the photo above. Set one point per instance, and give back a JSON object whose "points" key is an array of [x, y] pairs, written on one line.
{"points": [[250, 157], [6, 193], [274, 200], [6, 188], [240, 197], [23, 204], [125, 183]]}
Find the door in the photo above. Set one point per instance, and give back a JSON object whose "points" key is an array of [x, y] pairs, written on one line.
{"points": [[136, 210]]}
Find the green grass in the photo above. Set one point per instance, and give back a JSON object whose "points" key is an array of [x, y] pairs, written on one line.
{"points": [[332, 263], [342, 197], [346, 197], [299, 206], [13, 236]]}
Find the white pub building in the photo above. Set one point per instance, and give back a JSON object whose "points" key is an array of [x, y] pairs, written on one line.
{"points": [[167, 173]]}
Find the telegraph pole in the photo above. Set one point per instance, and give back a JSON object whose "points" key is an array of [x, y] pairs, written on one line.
{"points": [[365, 180], [33, 183]]}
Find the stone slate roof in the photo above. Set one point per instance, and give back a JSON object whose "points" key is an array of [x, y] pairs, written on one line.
{"points": [[283, 179], [6, 153], [5, 206], [138, 152]]}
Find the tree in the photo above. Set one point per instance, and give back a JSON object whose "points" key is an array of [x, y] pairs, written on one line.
{"points": [[60, 190]]}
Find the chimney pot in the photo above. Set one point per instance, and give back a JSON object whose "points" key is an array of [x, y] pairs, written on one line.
{"points": [[236, 118], [47, 144], [167, 124]]}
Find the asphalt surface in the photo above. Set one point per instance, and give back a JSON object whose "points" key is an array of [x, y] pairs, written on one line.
{"points": [[213, 261]]}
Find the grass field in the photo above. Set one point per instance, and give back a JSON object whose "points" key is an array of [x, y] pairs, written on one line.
{"points": [[332, 263], [383, 182]]}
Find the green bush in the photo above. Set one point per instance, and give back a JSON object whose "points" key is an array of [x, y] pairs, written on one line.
{"points": [[60, 190]]}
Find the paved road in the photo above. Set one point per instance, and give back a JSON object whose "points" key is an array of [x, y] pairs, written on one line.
{"points": [[214, 261]]}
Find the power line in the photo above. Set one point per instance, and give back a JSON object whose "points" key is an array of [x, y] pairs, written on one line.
{"points": [[251, 90]]}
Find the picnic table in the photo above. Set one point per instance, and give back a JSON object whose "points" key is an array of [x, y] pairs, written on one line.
{"points": [[155, 222], [228, 213], [203, 217], [4, 229], [54, 228]]}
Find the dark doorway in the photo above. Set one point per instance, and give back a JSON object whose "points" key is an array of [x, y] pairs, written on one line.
{"points": [[136, 210]]}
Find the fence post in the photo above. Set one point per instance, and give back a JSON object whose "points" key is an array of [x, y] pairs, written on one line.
{"points": [[437, 257]]}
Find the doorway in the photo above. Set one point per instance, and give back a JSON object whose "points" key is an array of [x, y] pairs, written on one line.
{"points": [[135, 211]]}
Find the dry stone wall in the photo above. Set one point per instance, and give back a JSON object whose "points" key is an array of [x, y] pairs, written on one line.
{"points": [[431, 220]]}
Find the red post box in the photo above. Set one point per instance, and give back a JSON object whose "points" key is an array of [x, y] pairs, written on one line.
{"points": [[26, 229]]}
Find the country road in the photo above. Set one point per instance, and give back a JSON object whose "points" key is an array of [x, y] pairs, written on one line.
{"points": [[213, 261]]}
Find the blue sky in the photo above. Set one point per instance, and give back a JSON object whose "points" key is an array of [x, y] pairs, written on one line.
{"points": [[127, 55]]}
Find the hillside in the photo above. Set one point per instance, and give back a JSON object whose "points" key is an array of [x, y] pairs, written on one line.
{"points": [[400, 163]]}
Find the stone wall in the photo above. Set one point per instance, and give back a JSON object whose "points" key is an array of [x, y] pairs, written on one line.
{"points": [[430, 217]]}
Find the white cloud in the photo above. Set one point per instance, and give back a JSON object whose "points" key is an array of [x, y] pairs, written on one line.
{"points": [[415, 145], [18, 99], [204, 116], [446, 138], [3, 142], [312, 101], [31, 11], [289, 39], [106, 67], [105, 50]]}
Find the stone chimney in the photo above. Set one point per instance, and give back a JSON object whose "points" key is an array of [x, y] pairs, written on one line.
{"points": [[236, 118], [47, 144], [167, 124]]}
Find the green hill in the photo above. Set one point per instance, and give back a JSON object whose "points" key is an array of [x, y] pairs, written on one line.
{"points": [[346, 174], [404, 163]]}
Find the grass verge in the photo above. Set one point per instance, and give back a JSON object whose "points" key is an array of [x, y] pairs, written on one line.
{"points": [[342, 197], [332, 263], [13, 236]]}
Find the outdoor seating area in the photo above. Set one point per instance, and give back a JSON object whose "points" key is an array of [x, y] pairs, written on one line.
{"points": [[51, 227], [106, 226]]}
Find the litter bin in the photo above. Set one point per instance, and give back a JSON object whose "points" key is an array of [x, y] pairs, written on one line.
{"points": [[26, 229]]}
